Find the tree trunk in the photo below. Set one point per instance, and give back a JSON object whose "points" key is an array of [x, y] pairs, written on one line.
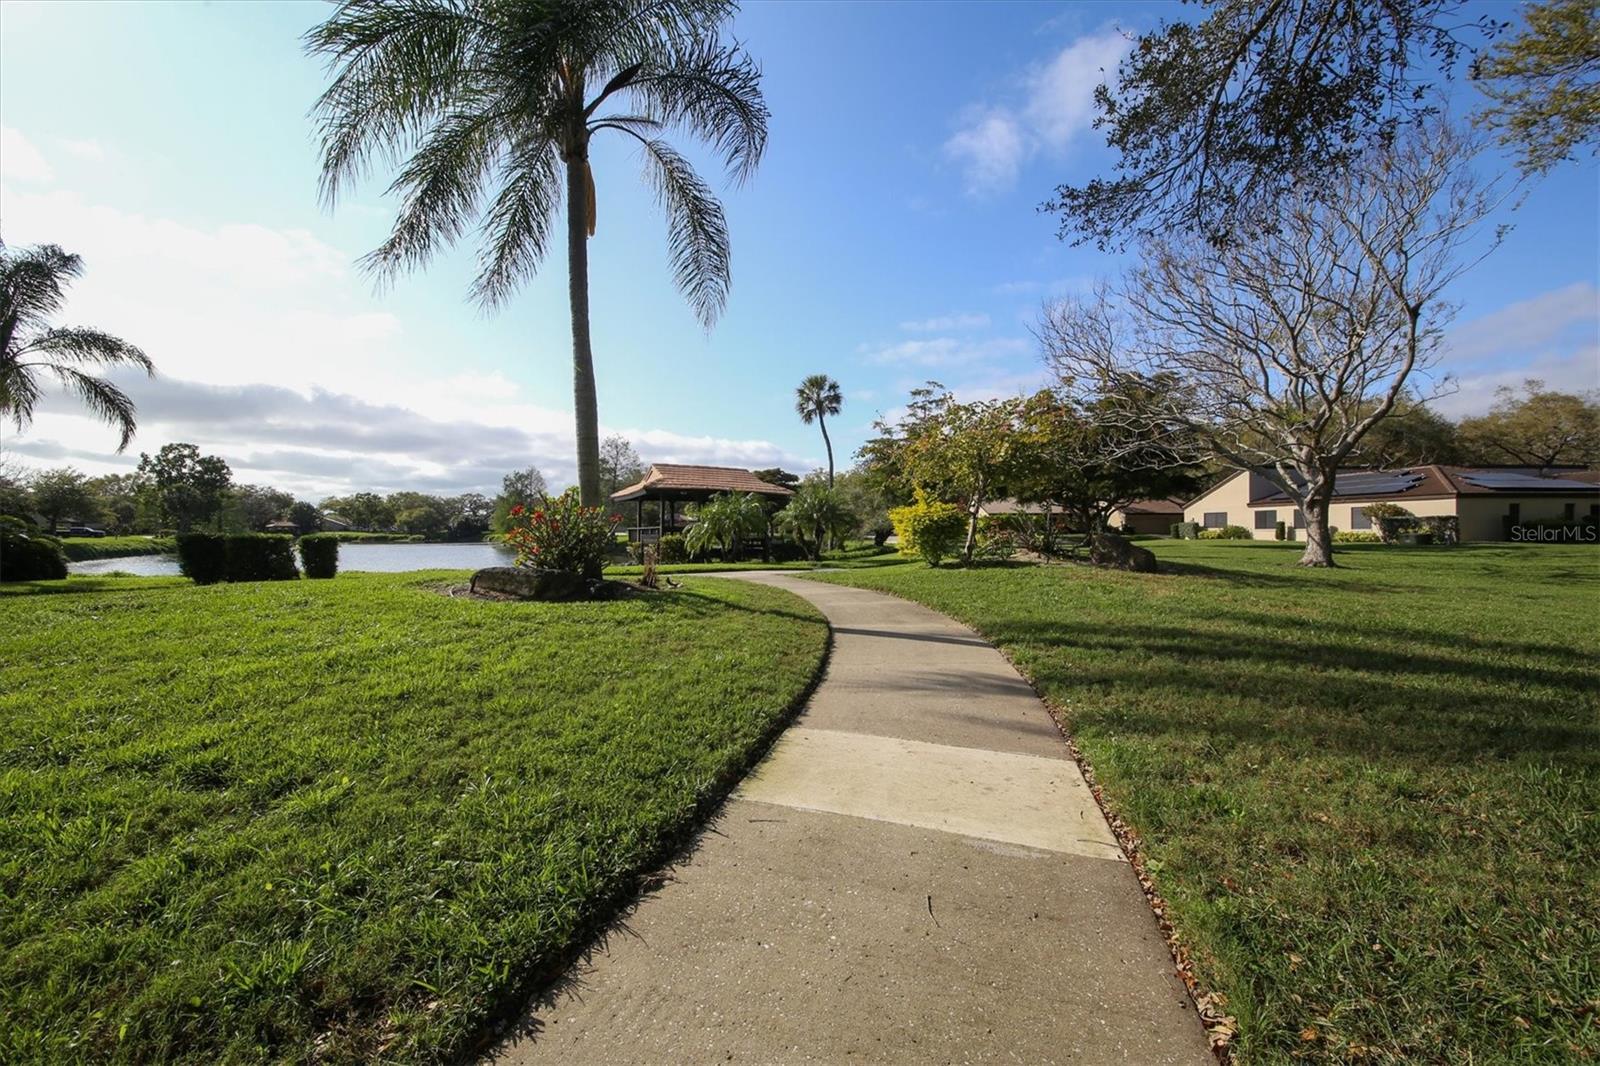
{"points": [[822, 422], [584, 403], [1319, 541]]}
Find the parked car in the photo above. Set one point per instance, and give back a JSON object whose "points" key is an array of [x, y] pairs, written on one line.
{"points": [[81, 531]]}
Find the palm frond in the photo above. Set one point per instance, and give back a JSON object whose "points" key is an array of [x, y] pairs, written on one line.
{"points": [[517, 228], [697, 230], [19, 394], [33, 286], [105, 400], [397, 64], [441, 185], [711, 90], [94, 347]]}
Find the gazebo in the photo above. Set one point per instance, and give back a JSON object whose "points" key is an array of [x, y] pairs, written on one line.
{"points": [[669, 484]]}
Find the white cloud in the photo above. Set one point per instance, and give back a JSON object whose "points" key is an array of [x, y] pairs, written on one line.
{"points": [[88, 150], [1054, 106], [945, 351], [1554, 337], [945, 323], [20, 160], [990, 146], [1528, 327]]}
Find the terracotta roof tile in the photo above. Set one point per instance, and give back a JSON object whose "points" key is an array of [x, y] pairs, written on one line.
{"points": [[678, 477]]}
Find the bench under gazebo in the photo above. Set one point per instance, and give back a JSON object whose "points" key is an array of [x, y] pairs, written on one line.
{"points": [[670, 484]]}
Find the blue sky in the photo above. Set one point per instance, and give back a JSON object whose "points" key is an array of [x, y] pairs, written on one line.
{"points": [[891, 235]]}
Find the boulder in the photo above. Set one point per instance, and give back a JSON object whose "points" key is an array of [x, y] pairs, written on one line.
{"points": [[1108, 549], [530, 583]]}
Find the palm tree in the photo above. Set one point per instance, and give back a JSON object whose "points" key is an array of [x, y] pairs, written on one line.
{"points": [[817, 397], [32, 287], [496, 101], [724, 520]]}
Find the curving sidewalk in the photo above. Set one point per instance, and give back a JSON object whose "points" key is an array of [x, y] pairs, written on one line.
{"points": [[915, 873]]}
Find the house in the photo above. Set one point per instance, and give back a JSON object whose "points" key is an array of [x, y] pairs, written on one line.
{"points": [[334, 523], [1147, 516], [1486, 501], [669, 484], [1139, 516]]}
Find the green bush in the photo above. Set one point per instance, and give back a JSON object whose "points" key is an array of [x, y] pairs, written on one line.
{"points": [[1226, 533], [929, 529], [319, 554], [30, 556], [1356, 536], [203, 557], [261, 557], [1283, 531], [1187, 530], [207, 558], [672, 549]]}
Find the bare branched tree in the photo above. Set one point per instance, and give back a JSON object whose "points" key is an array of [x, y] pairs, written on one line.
{"points": [[1286, 346]]}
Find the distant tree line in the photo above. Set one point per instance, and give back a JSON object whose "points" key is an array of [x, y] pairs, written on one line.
{"points": [[180, 489]]}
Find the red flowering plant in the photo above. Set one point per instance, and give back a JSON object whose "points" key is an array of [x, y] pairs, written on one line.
{"points": [[562, 534]]}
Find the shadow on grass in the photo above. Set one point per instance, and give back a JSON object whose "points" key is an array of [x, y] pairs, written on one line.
{"points": [[1422, 702]]}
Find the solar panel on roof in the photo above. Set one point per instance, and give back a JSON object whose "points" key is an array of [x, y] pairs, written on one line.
{"points": [[1505, 479], [1376, 483]]}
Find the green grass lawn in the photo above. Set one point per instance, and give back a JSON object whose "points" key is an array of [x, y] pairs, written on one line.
{"points": [[346, 820], [78, 549], [1371, 796]]}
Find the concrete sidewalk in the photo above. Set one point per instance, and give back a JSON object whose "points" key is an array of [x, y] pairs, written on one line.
{"points": [[915, 873]]}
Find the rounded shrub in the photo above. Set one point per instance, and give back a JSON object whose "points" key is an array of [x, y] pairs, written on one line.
{"points": [[30, 557], [319, 554], [927, 528], [671, 548], [260, 557], [202, 557]]}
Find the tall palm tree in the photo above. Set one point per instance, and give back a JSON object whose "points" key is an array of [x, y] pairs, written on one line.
{"points": [[496, 101], [32, 287], [817, 397]]}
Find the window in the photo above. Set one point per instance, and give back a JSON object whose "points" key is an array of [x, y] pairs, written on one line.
{"points": [[1299, 519], [1266, 519], [1359, 519], [1215, 519], [1516, 513], [1570, 512]]}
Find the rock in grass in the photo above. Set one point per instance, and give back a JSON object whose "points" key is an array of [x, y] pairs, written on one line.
{"points": [[1108, 549], [532, 583]]}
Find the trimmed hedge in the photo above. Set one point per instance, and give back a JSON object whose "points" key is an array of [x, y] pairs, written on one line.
{"points": [[207, 558], [319, 554], [30, 557]]}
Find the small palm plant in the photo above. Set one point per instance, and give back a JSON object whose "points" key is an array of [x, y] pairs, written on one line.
{"points": [[817, 514], [32, 287], [496, 101], [723, 520], [818, 397]]}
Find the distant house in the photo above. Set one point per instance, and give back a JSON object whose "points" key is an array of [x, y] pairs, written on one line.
{"points": [[1147, 516], [1486, 501], [282, 525], [333, 523], [1140, 516], [669, 484]]}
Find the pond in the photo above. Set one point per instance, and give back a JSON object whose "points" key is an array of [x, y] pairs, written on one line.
{"points": [[384, 558]]}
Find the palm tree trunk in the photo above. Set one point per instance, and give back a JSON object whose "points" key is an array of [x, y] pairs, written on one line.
{"points": [[584, 403], [822, 421]]}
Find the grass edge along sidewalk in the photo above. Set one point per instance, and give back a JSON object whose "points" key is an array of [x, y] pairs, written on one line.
{"points": [[347, 819], [1369, 795]]}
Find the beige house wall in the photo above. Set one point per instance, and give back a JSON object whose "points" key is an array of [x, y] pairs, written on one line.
{"points": [[1482, 517], [1231, 496]]}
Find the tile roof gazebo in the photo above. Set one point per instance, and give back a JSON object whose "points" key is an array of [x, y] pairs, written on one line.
{"points": [[669, 484]]}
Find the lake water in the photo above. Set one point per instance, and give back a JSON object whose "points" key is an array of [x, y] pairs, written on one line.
{"points": [[382, 558]]}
